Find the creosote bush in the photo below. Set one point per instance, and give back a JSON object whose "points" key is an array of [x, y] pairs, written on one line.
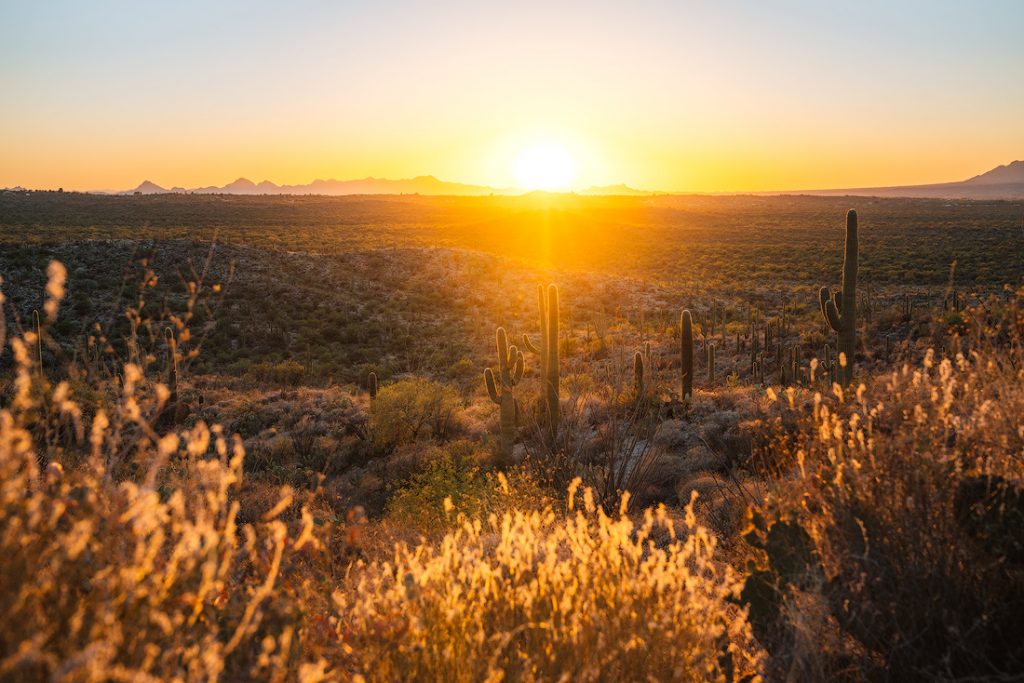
{"points": [[411, 409]]}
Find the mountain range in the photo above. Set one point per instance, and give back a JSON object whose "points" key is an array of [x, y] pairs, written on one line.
{"points": [[425, 185], [1002, 182], [428, 185]]}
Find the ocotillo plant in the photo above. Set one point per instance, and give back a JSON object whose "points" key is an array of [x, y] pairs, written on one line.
{"points": [[510, 371], [548, 352], [841, 312], [686, 353]]}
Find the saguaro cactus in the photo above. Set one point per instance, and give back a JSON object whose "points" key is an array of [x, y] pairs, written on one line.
{"points": [[711, 363], [638, 373], [841, 311], [686, 353], [548, 352], [510, 371], [371, 384]]}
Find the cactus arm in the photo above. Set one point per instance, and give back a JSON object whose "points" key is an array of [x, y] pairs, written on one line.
{"points": [[492, 389], [835, 321], [824, 296], [501, 344], [528, 345], [517, 370]]}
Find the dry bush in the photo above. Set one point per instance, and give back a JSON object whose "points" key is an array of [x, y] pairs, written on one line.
{"points": [[411, 409], [542, 595], [910, 493], [120, 556]]}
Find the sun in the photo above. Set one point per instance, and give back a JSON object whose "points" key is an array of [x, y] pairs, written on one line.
{"points": [[546, 166]]}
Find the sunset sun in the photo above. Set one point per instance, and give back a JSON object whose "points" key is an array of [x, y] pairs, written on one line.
{"points": [[545, 166]]}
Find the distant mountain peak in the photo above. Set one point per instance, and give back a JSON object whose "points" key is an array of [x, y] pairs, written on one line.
{"points": [[149, 187], [619, 189], [1012, 172]]}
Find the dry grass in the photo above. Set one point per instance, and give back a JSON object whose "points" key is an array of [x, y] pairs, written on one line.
{"points": [[910, 488], [546, 595]]}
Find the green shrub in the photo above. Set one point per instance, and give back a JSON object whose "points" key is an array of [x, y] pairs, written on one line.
{"points": [[412, 409]]}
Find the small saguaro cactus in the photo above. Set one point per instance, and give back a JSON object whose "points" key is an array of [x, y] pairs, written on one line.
{"points": [[711, 363], [171, 410], [686, 353], [841, 311], [510, 371], [371, 384], [547, 349], [829, 365], [638, 373]]}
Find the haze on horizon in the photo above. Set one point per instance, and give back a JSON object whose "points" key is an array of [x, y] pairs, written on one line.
{"points": [[697, 96]]}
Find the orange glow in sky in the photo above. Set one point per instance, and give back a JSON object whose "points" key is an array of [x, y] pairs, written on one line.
{"points": [[676, 96]]}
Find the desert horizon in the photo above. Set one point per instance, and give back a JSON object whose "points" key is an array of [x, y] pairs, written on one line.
{"points": [[1005, 181]]}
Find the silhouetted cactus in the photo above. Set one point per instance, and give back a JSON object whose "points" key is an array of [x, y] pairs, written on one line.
{"points": [[510, 371], [548, 352], [841, 311], [371, 385], [790, 560], [686, 353]]}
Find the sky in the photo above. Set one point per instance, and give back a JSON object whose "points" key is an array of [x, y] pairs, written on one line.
{"points": [[717, 96]]}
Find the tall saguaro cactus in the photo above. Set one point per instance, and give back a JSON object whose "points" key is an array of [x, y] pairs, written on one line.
{"points": [[686, 353], [548, 352], [840, 311], [510, 371]]}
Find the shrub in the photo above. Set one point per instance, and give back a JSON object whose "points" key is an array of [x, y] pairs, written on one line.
{"points": [[411, 409], [120, 556], [451, 476], [910, 493]]}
